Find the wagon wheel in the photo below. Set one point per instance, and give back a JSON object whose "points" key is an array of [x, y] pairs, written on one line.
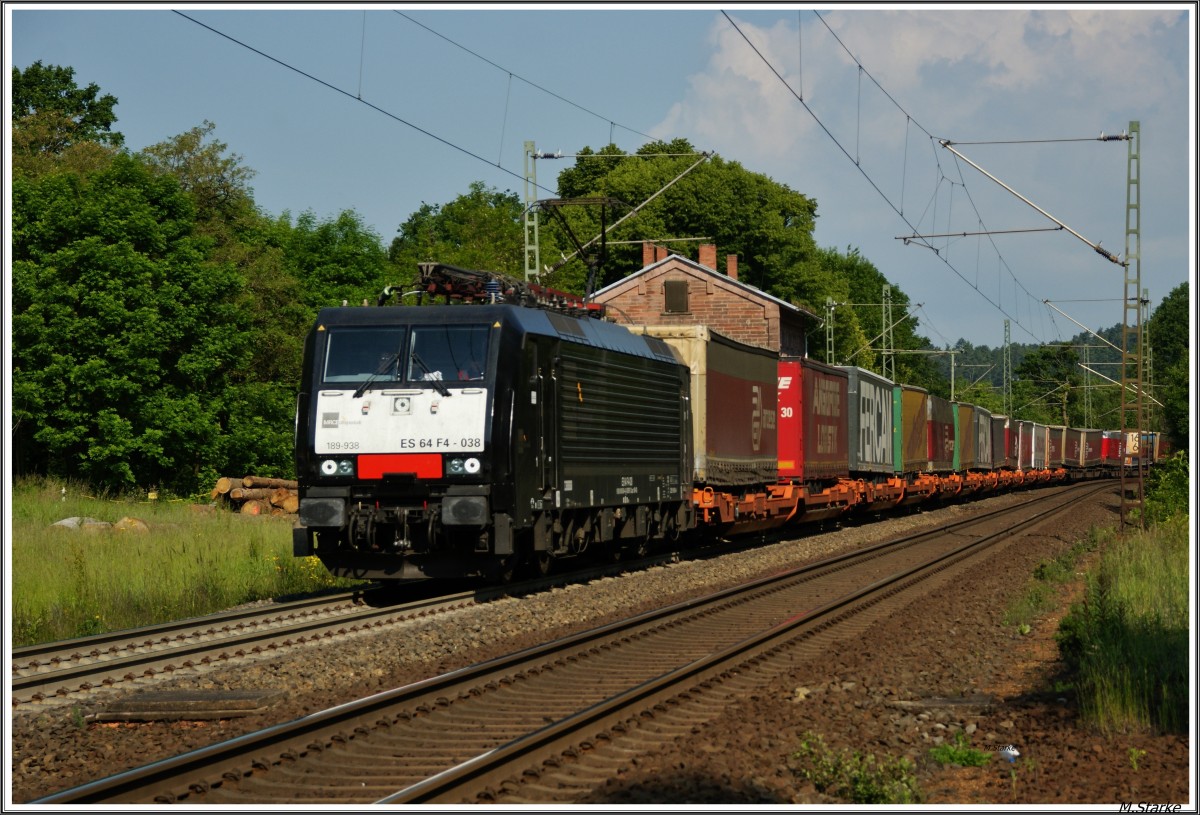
{"points": [[640, 547]]}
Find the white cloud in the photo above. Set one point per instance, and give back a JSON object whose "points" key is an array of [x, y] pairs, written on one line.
{"points": [[967, 75]]}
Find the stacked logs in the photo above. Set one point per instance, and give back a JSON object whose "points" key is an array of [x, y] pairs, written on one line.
{"points": [[254, 495]]}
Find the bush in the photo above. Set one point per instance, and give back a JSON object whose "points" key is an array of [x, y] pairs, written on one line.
{"points": [[960, 753], [1127, 643], [855, 777], [1168, 489]]}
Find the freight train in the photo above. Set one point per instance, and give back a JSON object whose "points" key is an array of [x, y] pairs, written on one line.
{"points": [[520, 428]]}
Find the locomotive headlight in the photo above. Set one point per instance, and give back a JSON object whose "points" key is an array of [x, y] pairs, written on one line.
{"points": [[454, 466], [471, 465], [343, 467]]}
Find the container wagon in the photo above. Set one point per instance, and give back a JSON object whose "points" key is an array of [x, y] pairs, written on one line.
{"points": [[941, 437], [910, 412], [733, 405], [872, 451], [814, 444]]}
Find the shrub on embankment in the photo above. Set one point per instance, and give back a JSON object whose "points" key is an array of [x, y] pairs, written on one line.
{"points": [[1126, 644]]}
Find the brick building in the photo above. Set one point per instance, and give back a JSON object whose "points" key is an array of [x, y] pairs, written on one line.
{"points": [[674, 290]]}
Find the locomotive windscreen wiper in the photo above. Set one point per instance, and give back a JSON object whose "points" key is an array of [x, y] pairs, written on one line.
{"points": [[388, 361], [442, 389]]}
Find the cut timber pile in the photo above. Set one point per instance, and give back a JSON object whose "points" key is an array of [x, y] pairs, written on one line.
{"points": [[253, 495]]}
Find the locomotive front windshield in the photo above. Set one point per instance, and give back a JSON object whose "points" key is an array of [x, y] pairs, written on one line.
{"points": [[444, 353]]}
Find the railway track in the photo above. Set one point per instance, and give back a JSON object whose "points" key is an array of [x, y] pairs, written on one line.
{"points": [[541, 724], [71, 669]]}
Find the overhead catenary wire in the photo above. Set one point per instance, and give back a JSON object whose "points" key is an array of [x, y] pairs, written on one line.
{"points": [[529, 82], [1103, 137], [346, 93], [998, 306]]}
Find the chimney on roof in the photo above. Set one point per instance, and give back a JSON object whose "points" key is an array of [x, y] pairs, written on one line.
{"points": [[731, 266], [708, 255], [652, 253]]}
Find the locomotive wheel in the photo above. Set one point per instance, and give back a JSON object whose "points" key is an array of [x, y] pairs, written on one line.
{"points": [[540, 563], [505, 569]]}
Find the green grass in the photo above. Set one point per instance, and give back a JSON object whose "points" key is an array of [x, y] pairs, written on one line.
{"points": [[960, 753], [1041, 592], [1127, 643], [73, 582], [856, 777]]}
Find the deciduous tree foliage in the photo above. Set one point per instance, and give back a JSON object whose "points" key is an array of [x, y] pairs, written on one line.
{"points": [[481, 229], [121, 331], [335, 260], [1046, 384], [765, 223], [51, 115], [218, 183], [1169, 338]]}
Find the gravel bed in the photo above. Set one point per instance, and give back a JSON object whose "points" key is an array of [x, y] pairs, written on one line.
{"points": [[742, 758]]}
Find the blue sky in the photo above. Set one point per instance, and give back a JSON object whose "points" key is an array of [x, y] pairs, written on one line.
{"points": [[880, 88]]}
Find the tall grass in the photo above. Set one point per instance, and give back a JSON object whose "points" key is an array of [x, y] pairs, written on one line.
{"points": [[1127, 642], [75, 582]]}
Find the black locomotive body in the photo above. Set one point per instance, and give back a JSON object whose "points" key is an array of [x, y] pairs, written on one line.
{"points": [[448, 441]]}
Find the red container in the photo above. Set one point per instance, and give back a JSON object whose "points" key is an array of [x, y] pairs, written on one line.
{"points": [[941, 434], [1004, 451], [733, 405], [1055, 446], [1073, 441], [1112, 448], [1092, 445], [813, 421]]}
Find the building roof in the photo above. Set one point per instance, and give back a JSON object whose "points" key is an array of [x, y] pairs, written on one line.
{"points": [[698, 267]]}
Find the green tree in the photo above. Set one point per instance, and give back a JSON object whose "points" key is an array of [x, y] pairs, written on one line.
{"points": [[1170, 343], [218, 183], [766, 224], [53, 120], [334, 259], [257, 405], [1048, 381], [121, 331], [481, 229], [51, 88]]}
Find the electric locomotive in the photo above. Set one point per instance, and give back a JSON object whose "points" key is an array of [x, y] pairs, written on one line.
{"points": [[452, 441]]}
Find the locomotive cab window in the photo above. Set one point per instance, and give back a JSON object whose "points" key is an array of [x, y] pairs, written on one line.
{"points": [[448, 353], [357, 354]]}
